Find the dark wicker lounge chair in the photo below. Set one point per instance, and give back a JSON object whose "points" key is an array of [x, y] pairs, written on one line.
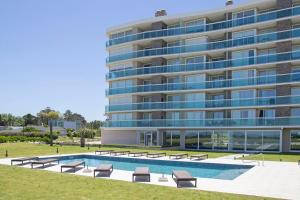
{"points": [[44, 162], [156, 155], [104, 168], [136, 154], [199, 156], [72, 165], [183, 176], [22, 160], [141, 172], [178, 155], [101, 152]]}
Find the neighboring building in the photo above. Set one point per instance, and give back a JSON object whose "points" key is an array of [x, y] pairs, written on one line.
{"points": [[67, 124], [226, 80]]}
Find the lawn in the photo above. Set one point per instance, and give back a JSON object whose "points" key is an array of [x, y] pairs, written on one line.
{"points": [[28, 149], [22, 183], [285, 157]]}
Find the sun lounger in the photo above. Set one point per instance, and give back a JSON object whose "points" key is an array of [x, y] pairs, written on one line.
{"points": [[199, 156], [141, 172], [43, 162], [178, 155], [119, 153], [183, 176], [101, 152], [156, 155], [106, 168], [136, 154], [22, 160], [72, 165]]}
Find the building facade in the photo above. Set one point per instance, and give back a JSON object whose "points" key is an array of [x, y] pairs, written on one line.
{"points": [[226, 80]]}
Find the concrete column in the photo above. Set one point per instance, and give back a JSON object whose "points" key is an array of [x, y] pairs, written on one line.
{"points": [[158, 25], [182, 139], [286, 140], [282, 112], [284, 4]]}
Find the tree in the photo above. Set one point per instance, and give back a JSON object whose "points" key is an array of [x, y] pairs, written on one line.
{"points": [[96, 124], [43, 115], [29, 119], [68, 115], [52, 115]]}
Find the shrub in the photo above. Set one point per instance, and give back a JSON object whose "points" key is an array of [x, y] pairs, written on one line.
{"points": [[30, 129], [86, 133], [4, 139]]}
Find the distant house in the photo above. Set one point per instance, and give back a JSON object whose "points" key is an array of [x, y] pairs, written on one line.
{"points": [[67, 124]]}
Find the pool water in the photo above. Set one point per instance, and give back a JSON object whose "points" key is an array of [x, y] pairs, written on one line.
{"points": [[201, 170]]}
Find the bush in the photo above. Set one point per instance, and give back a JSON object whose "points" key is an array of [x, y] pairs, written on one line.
{"points": [[4, 139], [87, 133], [29, 129], [70, 132]]}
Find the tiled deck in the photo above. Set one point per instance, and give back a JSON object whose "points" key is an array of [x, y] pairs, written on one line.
{"points": [[271, 179]]}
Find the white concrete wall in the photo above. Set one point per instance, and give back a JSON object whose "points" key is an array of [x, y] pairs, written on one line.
{"points": [[118, 137]]}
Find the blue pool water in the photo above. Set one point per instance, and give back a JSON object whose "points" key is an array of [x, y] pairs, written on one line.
{"points": [[202, 170]]}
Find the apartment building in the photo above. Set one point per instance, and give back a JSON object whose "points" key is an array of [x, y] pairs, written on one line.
{"points": [[223, 80]]}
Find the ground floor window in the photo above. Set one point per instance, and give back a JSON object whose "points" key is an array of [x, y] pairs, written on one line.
{"points": [[234, 140], [148, 138], [295, 140], [171, 138]]}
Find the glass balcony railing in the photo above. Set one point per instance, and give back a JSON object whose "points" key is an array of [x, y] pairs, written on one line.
{"points": [[261, 59], [261, 80], [260, 101], [262, 17], [262, 38], [226, 122]]}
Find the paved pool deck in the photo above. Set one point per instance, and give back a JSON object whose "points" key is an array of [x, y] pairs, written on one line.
{"points": [[267, 179]]}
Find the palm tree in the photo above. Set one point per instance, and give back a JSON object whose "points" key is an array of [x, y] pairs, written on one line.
{"points": [[52, 116]]}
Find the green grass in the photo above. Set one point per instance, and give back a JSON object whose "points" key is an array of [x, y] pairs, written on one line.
{"points": [[26, 184], [285, 157], [28, 149]]}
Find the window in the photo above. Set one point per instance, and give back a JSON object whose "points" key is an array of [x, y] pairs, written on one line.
{"points": [[269, 72], [122, 116], [195, 97], [120, 34], [242, 34], [195, 115], [147, 116], [173, 44], [218, 115], [243, 74], [195, 78], [245, 57], [295, 91], [174, 98], [195, 22], [199, 59], [217, 97], [267, 93], [147, 99], [243, 114], [195, 41], [243, 14], [173, 62], [173, 115], [243, 94], [171, 138], [267, 52], [120, 100], [122, 84], [174, 79], [295, 112], [295, 140], [267, 113]]}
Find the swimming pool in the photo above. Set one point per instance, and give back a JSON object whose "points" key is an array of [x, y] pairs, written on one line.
{"points": [[201, 170]]}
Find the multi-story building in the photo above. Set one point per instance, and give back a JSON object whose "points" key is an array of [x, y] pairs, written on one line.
{"points": [[225, 80]]}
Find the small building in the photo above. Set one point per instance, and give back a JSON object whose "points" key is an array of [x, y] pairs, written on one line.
{"points": [[67, 124]]}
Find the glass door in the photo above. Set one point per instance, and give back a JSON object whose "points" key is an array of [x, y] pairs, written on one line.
{"points": [[148, 139]]}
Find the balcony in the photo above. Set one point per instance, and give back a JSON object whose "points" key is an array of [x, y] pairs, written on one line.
{"points": [[229, 83], [195, 123], [177, 105], [263, 17], [262, 38]]}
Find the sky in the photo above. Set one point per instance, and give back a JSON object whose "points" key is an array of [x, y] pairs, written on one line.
{"points": [[52, 52]]}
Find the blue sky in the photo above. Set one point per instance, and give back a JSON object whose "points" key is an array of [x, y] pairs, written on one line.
{"points": [[52, 52]]}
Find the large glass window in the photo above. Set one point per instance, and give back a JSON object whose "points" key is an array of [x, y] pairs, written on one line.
{"points": [[122, 84], [243, 114], [295, 140], [171, 138], [220, 140], [295, 91], [243, 74], [267, 93], [244, 57], [195, 115], [237, 140], [267, 113], [199, 59], [174, 98], [243, 94], [191, 140], [205, 140], [198, 78], [121, 116], [173, 115], [254, 141], [271, 141], [195, 97], [242, 34]]}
